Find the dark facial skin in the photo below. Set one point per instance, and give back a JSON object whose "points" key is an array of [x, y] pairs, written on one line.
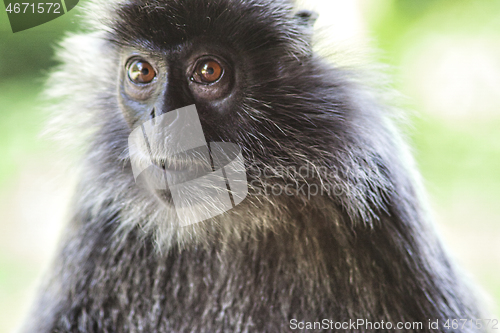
{"points": [[182, 76], [152, 83]]}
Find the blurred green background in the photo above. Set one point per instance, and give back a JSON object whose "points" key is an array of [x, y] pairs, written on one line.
{"points": [[444, 55]]}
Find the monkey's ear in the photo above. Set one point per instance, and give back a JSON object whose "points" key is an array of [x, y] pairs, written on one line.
{"points": [[306, 18]]}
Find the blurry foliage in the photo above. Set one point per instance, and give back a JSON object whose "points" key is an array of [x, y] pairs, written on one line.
{"points": [[25, 59], [20, 125], [452, 153], [458, 156], [29, 53], [392, 20]]}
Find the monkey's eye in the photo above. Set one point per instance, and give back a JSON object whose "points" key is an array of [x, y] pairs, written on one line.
{"points": [[140, 71], [207, 71]]}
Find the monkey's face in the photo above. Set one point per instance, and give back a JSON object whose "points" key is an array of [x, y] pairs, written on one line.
{"points": [[244, 64], [235, 60], [247, 66], [154, 83]]}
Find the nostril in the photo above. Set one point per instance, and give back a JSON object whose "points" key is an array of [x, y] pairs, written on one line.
{"points": [[152, 115]]}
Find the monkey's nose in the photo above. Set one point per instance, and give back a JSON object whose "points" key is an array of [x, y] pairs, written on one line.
{"points": [[177, 95]]}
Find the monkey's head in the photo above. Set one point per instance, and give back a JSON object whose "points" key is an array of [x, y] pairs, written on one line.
{"points": [[248, 67]]}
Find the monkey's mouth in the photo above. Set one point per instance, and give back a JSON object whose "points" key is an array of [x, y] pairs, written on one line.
{"points": [[165, 196], [161, 177], [171, 167], [176, 166], [164, 174]]}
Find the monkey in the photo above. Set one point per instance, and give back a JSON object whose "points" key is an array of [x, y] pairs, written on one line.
{"points": [[349, 239]]}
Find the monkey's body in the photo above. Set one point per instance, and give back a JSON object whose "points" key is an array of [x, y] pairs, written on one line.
{"points": [[315, 269], [364, 252]]}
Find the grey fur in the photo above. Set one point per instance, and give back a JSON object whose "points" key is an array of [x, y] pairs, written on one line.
{"points": [[368, 251]]}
